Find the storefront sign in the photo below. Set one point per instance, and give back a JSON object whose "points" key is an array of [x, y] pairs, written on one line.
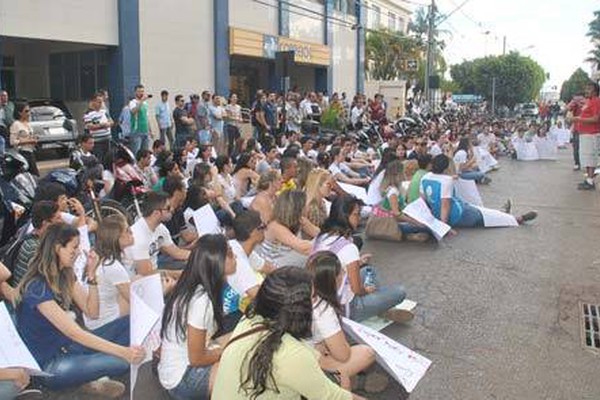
{"points": [[253, 44]]}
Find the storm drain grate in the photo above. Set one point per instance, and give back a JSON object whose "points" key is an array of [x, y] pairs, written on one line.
{"points": [[590, 325]]}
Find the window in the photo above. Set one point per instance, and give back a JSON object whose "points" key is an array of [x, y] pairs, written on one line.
{"points": [[76, 76], [376, 17], [391, 21], [401, 25], [7, 75], [345, 6]]}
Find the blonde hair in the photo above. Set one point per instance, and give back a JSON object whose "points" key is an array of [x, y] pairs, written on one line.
{"points": [[109, 231], [266, 179], [314, 208], [393, 175], [410, 167]]}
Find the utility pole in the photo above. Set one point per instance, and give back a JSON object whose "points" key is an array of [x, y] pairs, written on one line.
{"points": [[430, 44], [504, 46]]}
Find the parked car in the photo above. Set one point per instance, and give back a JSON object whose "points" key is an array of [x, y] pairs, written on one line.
{"points": [[529, 110], [53, 124]]}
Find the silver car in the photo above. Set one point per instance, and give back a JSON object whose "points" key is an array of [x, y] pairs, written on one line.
{"points": [[53, 124]]}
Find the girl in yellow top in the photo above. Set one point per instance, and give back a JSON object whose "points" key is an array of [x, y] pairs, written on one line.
{"points": [[266, 357]]}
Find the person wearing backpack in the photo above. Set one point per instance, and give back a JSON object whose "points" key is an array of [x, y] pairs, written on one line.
{"points": [[43, 214]]}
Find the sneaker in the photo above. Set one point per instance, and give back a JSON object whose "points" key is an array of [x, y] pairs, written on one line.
{"points": [[104, 387], [30, 394], [576, 167], [398, 315], [528, 216], [417, 237], [507, 206], [486, 180], [585, 185]]}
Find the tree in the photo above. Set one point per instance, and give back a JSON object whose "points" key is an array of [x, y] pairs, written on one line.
{"points": [[575, 85], [518, 79], [385, 53], [594, 34]]}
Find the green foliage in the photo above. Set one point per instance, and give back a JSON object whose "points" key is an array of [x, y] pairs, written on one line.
{"points": [[331, 119], [594, 34], [385, 51], [518, 79], [575, 85]]}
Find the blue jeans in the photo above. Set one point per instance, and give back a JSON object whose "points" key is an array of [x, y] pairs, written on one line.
{"points": [[8, 390], [472, 175], [376, 303], [471, 217], [137, 142], [2, 145], [78, 364], [193, 385], [408, 229]]}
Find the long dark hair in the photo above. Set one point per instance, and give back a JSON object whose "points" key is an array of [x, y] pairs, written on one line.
{"points": [[284, 303], [388, 155], [463, 144], [325, 267], [242, 162], [205, 269], [338, 221]]}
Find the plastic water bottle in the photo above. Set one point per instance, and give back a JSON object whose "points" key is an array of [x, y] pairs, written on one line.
{"points": [[370, 277]]}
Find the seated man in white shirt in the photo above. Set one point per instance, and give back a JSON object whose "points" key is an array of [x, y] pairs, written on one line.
{"points": [[343, 173], [152, 236]]}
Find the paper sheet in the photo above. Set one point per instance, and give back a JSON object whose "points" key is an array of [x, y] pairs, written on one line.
{"points": [[84, 247], [467, 191], [13, 352], [356, 191], [496, 218], [147, 303], [403, 364], [206, 221], [485, 160], [419, 210]]}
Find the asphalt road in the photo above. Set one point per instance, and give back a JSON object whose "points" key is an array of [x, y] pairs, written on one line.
{"points": [[498, 309]]}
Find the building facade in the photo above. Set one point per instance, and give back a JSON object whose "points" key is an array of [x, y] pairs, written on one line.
{"points": [[66, 49]]}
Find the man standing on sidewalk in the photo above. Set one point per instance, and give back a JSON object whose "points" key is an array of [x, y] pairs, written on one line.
{"points": [[587, 124], [162, 113], [98, 123], [140, 126], [7, 109], [574, 108]]}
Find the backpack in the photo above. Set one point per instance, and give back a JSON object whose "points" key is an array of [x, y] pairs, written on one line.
{"points": [[9, 253]]}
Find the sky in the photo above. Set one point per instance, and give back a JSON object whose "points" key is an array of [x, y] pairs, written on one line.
{"points": [[552, 32]]}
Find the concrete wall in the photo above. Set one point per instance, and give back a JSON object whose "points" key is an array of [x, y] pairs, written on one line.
{"points": [[248, 14], [344, 57], [176, 47], [308, 27], [84, 21]]}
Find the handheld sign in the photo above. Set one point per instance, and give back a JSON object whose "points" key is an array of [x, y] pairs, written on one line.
{"points": [[206, 221]]}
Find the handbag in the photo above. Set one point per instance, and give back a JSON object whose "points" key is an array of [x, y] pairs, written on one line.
{"points": [[383, 228]]}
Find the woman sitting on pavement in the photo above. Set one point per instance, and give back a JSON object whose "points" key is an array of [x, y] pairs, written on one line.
{"points": [[225, 187], [244, 175], [360, 295], [318, 188], [437, 188], [113, 278], [466, 162], [283, 245], [394, 202], [266, 356], [192, 319], [47, 296], [328, 337], [268, 185]]}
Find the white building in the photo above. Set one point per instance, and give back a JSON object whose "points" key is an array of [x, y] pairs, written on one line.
{"points": [[67, 49]]}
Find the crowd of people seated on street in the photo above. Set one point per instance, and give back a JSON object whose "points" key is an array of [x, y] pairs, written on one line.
{"points": [[290, 252]]}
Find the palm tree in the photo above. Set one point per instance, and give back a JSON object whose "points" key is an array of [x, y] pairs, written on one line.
{"points": [[594, 27], [594, 57]]}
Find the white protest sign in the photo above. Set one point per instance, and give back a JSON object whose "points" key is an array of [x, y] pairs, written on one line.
{"points": [[13, 352], [419, 211], [403, 364], [496, 218], [485, 161], [356, 191], [467, 191], [206, 221], [147, 303]]}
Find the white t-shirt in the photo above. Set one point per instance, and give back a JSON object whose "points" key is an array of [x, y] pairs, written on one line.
{"points": [[174, 358], [460, 157], [96, 118], [347, 255], [374, 189], [108, 277], [325, 321], [147, 244], [244, 277]]}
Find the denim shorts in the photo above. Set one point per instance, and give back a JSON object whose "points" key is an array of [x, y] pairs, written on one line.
{"points": [[193, 385]]}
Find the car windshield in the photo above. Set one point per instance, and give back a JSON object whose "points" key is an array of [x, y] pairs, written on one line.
{"points": [[45, 113]]}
